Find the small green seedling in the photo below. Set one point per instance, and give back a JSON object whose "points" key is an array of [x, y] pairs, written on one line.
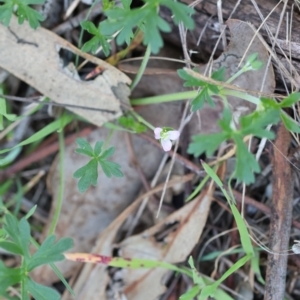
{"points": [[88, 174], [22, 10], [16, 239]]}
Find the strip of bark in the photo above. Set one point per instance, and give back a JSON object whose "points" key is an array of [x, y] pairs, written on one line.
{"points": [[281, 217]]}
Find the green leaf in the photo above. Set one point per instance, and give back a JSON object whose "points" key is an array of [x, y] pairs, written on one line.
{"points": [[6, 11], [88, 175], [207, 91], [256, 269], [11, 247], [153, 37], [289, 123], [107, 153], [54, 126], [256, 122], [25, 12], [190, 81], [19, 232], [211, 289], [39, 291], [219, 75], [290, 100], [49, 252], [98, 148], [246, 163], [200, 99], [146, 18], [98, 39], [84, 147], [207, 143], [110, 168], [8, 276], [191, 293], [181, 12], [130, 123]]}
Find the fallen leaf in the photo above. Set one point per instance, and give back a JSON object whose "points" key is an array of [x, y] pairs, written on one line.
{"points": [[87, 284], [85, 216], [33, 56]]}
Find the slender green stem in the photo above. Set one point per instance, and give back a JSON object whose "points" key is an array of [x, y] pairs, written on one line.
{"points": [[164, 98], [236, 75], [142, 120], [242, 95], [106, 142], [142, 68], [189, 95], [61, 183]]}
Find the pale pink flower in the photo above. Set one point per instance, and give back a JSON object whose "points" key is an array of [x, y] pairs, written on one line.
{"points": [[166, 136]]}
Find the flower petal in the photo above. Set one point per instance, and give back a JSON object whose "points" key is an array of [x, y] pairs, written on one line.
{"points": [[173, 135], [157, 132], [166, 144]]}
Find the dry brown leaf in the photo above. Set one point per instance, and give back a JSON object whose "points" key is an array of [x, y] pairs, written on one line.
{"points": [[33, 56], [85, 216], [188, 224], [145, 283], [87, 285]]}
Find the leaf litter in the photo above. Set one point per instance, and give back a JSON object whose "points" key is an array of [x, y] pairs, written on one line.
{"points": [[103, 208]]}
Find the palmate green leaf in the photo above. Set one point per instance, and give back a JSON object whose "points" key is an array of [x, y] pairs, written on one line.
{"points": [[88, 175], [49, 252], [98, 40], [147, 19], [39, 291], [8, 276]]}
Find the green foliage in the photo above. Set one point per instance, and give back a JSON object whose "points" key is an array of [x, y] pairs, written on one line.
{"points": [[98, 38], [3, 111], [16, 239], [123, 20], [252, 124], [207, 89], [130, 123], [23, 11], [88, 174]]}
